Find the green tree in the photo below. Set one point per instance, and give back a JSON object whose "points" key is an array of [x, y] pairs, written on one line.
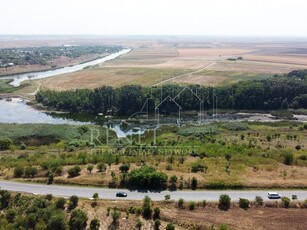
{"points": [[170, 226], [288, 158], [60, 203], [286, 202], [224, 202], [157, 224], [5, 144], [115, 218], [138, 224], [244, 203], [181, 203], [194, 183], [57, 222], [124, 168], [10, 215], [94, 225], [147, 210], [30, 171], [74, 171], [156, 214], [5, 198], [18, 171], [78, 220], [73, 202], [90, 168], [147, 177]]}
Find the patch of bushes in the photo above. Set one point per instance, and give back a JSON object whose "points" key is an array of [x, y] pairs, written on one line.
{"points": [[74, 171], [224, 202], [199, 167], [235, 126], [286, 202], [244, 203], [148, 178], [288, 158]]}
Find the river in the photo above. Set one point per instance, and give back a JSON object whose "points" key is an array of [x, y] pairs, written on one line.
{"points": [[18, 78]]}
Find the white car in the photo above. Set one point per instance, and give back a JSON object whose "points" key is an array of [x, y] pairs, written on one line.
{"points": [[274, 195]]}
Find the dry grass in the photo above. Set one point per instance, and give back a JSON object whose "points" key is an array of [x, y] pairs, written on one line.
{"points": [[138, 66], [260, 218]]}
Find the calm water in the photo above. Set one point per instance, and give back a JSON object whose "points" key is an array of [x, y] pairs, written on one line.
{"points": [[18, 78], [17, 111]]}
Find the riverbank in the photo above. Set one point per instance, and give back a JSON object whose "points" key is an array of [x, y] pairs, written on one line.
{"points": [[18, 78]]}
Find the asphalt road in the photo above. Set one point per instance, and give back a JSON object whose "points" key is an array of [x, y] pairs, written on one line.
{"points": [[87, 192]]}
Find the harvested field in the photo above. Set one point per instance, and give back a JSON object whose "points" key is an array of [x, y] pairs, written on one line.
{"points": [[93, 78], [147, 63]]}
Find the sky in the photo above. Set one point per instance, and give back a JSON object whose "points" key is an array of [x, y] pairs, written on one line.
{"points": [[154, 17]]}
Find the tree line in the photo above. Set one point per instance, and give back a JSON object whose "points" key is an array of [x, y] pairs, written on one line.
{"points": [[278, 92]]}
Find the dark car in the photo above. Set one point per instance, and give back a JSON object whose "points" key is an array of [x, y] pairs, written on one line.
{"points": [[121, 194]]}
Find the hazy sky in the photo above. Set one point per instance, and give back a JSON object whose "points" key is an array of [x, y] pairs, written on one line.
{"points": [[179, 17]]}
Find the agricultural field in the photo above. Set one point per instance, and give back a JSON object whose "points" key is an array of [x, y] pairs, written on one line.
{"points": [[204, 63]]}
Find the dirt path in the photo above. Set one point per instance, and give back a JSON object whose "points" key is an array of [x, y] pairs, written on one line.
{"points": [[186, 74]]}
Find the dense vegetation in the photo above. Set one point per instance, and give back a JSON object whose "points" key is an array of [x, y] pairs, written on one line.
{"points": [[213, 156], [42, 55], [279, 92], [24, 212]]}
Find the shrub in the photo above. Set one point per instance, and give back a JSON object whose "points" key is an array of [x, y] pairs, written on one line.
{"points": [[115, 218], [5, 144], [10, 215], [156, 214], [90, 168], [196, 166], [259, 200], [147, 177], [59, 170], [50, 178], [285, 201], [181, 203], [194, 183], [101, 167], [191, 205], [74, 171], [204, 203], [169, 167], [167, 197], [5, 197], [157, 224], [288, 158], [124, 168], [49, 197], [73, 202], [18, 171], [224, 202], [303, 157], [78, 220], [170, 226], [60, 203], [147, 210], [57, 221], [138, 224], [297, 147], [228, 156], [94, 225], [244, 203], [30, 171], [22, 146]]}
